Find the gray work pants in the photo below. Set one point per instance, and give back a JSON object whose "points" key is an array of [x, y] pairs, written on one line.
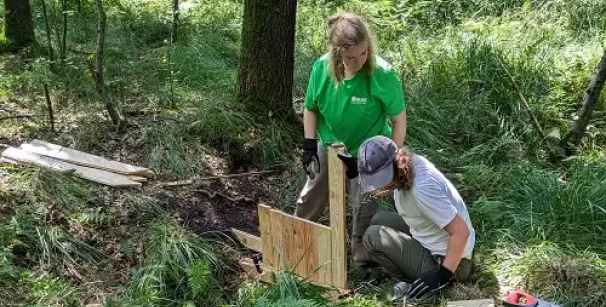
{"points": [[315, 195], [389, 241]]}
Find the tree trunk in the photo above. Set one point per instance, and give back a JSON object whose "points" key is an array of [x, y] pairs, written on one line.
{"points": [[175, 29], [112, 109], [265, 79], [590, 100], [19, 27], [48, 30], [64, 8]]}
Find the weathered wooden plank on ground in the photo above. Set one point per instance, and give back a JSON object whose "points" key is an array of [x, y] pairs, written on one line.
{"points": [[336, 179], [249, 268], [248, 240], [471, 303], [9, 161], [137, 178], [84, 159], [96, 175]]}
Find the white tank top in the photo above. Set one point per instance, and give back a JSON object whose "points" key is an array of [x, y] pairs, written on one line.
{"points": [[430, 205]]}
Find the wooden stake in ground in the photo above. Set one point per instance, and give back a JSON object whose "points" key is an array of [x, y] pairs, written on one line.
{"points": [[336, 179], [49, 104]]}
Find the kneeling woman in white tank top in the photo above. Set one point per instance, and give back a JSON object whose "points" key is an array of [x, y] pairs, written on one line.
{"points": [[429, 242]]}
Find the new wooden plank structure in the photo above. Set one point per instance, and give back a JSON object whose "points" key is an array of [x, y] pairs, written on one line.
{"points": [[96, 175], [311, 250]]}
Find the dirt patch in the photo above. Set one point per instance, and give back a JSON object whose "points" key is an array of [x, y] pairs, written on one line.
{"points": [[207, 206], [219, 204]]}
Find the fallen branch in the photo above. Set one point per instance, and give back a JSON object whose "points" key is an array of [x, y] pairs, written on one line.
{"points": [[16, 116], [230, 198], [236, 175], [590, 101], [194, 181], [517, 89]]}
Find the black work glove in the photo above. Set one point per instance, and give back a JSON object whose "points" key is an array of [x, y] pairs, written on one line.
{"points": [[429, 283], [310, 152], [351, 164]]}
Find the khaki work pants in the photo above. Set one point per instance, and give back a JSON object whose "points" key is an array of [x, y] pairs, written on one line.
{"points": [[315, 195], [389, 241]]}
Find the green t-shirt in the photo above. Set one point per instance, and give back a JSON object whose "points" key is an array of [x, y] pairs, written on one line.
{"points": [[355, 109]]}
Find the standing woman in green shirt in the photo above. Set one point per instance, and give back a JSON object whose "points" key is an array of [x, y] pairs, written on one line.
{"points": [[352, 95]]}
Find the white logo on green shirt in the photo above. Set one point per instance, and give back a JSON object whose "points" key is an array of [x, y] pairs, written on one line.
{"points": [[358, 100]]}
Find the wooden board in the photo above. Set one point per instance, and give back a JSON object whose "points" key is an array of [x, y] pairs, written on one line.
{"points": [[8, 161], [336, 179], [322, 268], [249, 268], [84, 159], [91, 174], [471, 303], [248, 240], [305, 244], [289, 242], [276, 234], [137, 178], [289, 245], [265, 232]]}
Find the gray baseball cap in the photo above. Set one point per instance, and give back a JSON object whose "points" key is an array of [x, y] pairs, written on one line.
{"points": [[375, 162]]}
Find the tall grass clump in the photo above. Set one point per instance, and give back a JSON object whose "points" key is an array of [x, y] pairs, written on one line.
{"points": [[550, 272], [248, 140], [36, 234], [289, 290], [179, 268], [63, 190], [36, 244], [170, 153], [535, 206]]}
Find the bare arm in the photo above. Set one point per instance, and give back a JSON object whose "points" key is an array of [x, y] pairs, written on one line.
{"points": [[459, 233], [309, 124], [399, 128]]}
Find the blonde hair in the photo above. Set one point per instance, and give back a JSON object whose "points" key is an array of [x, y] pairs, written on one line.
{"points": [[404, 169], [345, 31]]}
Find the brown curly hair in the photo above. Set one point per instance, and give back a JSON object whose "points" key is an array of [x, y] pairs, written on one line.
{"points": [[405, 172]]}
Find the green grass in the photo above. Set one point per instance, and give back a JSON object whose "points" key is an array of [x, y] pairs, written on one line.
{"points": [[536, 207], [557, 274], [36, 245], [179, 268]]}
